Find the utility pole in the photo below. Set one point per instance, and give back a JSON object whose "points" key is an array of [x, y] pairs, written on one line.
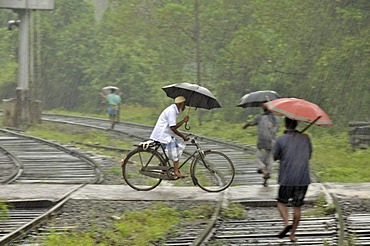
{"points": [[24, 10], [22, 91], [197, 51]]}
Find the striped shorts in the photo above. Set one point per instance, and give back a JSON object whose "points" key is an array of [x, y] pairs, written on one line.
{"points": [[174, 149]]}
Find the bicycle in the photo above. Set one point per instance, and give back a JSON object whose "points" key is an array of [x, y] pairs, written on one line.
{"points": [[147, 165]]}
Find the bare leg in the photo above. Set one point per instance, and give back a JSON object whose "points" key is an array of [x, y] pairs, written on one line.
{"points": [[111, 119], [283, 212], [296, 219], [176, 169]]}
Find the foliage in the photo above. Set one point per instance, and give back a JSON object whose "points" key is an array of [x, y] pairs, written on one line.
{"points": [[244, 46]]}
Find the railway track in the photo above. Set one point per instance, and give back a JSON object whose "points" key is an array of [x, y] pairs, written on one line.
{"points": [[261, 224], [241, 155], [40, 161]]}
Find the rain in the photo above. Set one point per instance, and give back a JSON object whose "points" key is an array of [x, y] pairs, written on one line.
{"points": [[243, 48], [60, 54]]}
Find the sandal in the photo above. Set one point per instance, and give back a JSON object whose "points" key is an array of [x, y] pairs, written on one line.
{"points": [[285, 231], [179, 177]]}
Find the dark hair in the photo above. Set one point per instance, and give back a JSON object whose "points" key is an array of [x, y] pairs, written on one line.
{"points": [[290, 124]]}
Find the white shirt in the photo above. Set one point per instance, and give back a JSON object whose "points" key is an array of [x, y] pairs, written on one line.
{"points": [[162, 131]]}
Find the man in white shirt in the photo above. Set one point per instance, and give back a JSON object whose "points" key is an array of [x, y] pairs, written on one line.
{"points": [[165, 131]]}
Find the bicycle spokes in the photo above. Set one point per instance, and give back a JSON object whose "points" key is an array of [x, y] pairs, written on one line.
{"points": [[137, 162], [214, 172]]}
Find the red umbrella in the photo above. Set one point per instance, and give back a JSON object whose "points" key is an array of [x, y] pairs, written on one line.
{"points": [[300, 110]]}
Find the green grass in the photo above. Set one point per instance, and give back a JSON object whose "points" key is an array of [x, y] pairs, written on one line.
{"points": [[335, 161], [130, 113], [234, 211], [333, 158], [142, 227], [4, 212], [320, 208], [67, 134]]}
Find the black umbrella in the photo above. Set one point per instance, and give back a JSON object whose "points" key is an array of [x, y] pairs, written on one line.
{"points": [[196, 96], [257, 98]]}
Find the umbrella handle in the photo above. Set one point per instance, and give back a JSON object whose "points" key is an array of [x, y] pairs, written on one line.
{"points": [[186, 123], [310, 124], [186, 126]]}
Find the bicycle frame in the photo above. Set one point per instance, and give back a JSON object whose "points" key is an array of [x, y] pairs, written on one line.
{"points": [[167, 160], [151, 162], [167, 163]]}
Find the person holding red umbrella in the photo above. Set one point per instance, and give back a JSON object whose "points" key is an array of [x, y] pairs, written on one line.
{"points": [[294, 150]]}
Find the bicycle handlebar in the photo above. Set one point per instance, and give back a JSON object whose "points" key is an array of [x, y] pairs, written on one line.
{"points": [[192, 138]]}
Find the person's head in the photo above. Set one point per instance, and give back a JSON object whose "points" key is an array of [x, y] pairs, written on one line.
{"points": [[112, 90], [180, 103], [290, 124], [265, 110]]}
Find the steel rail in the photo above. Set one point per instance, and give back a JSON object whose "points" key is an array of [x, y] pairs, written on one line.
{"points": [[211, 230], [17, 163], [24, 229], [97, 177]]}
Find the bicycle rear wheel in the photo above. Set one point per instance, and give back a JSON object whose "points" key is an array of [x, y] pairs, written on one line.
{"points": [[135, 161], [213, 171]]}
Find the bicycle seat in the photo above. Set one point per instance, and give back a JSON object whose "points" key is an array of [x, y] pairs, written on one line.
{"points": [[148, 144]]}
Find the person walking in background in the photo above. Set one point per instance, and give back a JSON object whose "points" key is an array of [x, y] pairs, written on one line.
{"points": [[267, 127], [294, 150], [165, 132], [113, 101]]}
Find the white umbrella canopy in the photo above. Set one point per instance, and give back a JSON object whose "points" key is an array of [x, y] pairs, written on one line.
{"points": [[107, 89]]}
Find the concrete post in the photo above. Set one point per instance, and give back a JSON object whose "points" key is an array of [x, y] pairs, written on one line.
{"points": [[24, 68]]}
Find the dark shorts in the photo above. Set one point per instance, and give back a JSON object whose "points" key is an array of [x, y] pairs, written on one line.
{"points": [[296, 193]]}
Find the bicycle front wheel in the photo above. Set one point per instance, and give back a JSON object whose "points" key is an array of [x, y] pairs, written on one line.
{"points": [[135, 162], [213, 171]]}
